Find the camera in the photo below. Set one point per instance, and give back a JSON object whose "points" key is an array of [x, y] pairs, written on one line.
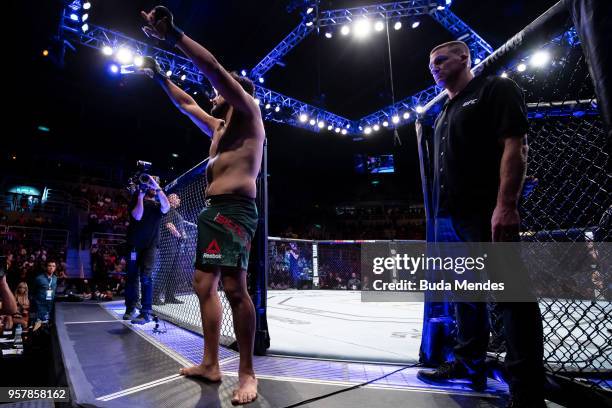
{"points": [[139, 182]]}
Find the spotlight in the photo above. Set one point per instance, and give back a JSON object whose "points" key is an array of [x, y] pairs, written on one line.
{"points": [[309, 10], [345, 30], [329, 127], [539, 59], [243, 73], [114, 69], [85, 27], [321, 124], [303, 117], [196, 92], [379, 26], [376, 127], [521, 67], [85, 17], [328, 34], [385, 123], [477, 61], [337, 130], [124, 56], [395, 119], [168, 73], [138, 61], [440, 8], [175, 155], [367, 130], [448, 2], [504, 75], [348, 126], [397, 25], [419, 109], [308, 24], [268, 106], [106, 50], [406, 115], [312, 122], [415, 24], [86, 5], [344, 132], [183, 77], [74, 17], [261, 80], [362, 28], [277, 109], [45, 53]]}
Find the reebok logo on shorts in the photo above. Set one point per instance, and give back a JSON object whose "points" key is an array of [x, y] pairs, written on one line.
{"points": [[212, 251]]}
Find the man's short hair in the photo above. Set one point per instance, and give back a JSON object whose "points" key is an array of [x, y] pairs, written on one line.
{"points": [[244, 82], [456, 47]]}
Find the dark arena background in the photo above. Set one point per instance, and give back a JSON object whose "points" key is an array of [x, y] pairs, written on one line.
{"points": [[348, 104]]}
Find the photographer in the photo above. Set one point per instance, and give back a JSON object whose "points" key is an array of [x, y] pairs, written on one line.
{"points": [[143, 235]]}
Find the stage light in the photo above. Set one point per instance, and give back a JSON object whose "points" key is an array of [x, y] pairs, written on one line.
{"points": [[85, 27], [386, 124], [312, 122], [376, 127], [539, 59], [344, 132], [74, 17], [348, 126], [521, 67], [448, 2], [138, 61], [124, 56], [183, 77], [419, 109], [321, 124], [303, 117], [45, 53], [477, 61], [86, 5], [268, 106], [261, 80], [329, 127], [113, 68], [277, 109], [440, 8], [379, 26], [504, 75], [416, 24], [395, 119], [196, 92], [106, 50], [243, 73], [328, 34], [345, 30], [175, 155], [337, 130], [308, 24], [168, 73], [406, 115], [367, 130], [397, 25], [309, 10], [85, 17], [362, 28]]}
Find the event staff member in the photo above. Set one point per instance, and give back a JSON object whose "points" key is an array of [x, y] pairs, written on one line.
{"points": [[142, 238], [227, 224], [480, 159], [43, 292]]}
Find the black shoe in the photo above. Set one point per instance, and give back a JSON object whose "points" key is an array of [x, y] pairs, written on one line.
{"points": [[525, 401], [451, 370], [175, 301], [128, 315], [142, 319]]}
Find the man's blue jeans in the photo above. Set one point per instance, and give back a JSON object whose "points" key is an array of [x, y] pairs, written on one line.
{"points": [[140, 269]]}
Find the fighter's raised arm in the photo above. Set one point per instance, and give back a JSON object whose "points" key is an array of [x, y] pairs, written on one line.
{"points": [[160, 25], [181, 99]]}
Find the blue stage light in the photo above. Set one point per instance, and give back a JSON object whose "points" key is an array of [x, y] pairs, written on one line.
{"points": [[113, 68], [86, 5], [261, 80], [243, 73], [74, 17], [85, 27]]}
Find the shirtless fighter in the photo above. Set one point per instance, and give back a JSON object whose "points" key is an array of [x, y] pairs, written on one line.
{"points": [[227, 224]]}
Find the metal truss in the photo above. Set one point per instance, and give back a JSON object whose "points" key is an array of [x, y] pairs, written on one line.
{"points": [[287, 44], [385, 11]]}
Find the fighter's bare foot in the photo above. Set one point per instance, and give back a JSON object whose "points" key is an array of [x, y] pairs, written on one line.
{"points": [[208, 373], [246, 391]]}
